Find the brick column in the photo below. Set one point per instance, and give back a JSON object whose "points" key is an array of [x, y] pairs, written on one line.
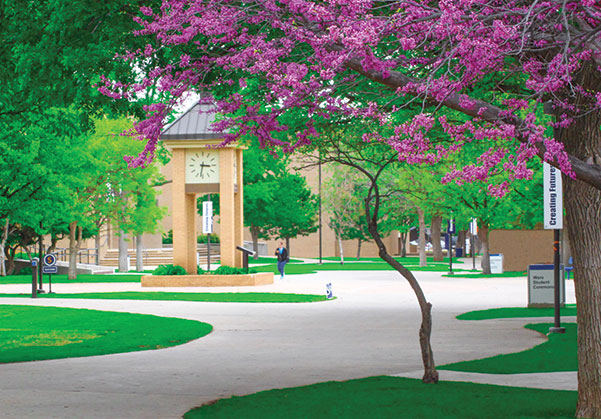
{"points": [[227, 207], [239, 208], [184, 220]]}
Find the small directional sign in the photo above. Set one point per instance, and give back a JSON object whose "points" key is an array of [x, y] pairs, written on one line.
{"points": [[50, 259], [49, 269]]}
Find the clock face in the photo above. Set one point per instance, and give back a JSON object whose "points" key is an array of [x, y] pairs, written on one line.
{"points": [[202, 166]]}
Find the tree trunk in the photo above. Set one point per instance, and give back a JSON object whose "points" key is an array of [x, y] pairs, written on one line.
{"points": [[2, 245], [10, 259], [254, 233], [123, 263], [139, 255], [340, 247], [583, 207], [359, 249], [422, 237], [288, 245], [566, 248], [73, 249], [97, 244], [425, 330], [437, 255], [53, 240], [583, 210], [461, 241], [403, 249], [483, 236]]}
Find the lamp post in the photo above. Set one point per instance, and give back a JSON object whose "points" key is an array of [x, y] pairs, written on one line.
{"points": [[320, 237], [553, 220], [450, 231]]}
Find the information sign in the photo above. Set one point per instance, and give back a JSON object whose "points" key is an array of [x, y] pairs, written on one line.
{"points": [[541, 286], [496, 263], [49, 269], [50, 259]]}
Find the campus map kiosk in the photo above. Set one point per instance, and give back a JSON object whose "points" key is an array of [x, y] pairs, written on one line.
{"points": [[201, 167]]}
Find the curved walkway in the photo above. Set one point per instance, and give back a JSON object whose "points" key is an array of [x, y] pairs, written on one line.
{"points": [[371, 329]]}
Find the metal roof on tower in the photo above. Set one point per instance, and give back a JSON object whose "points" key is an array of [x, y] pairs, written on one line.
{"points": [[194, 124]]}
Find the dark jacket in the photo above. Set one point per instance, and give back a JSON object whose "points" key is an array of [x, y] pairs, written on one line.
{"points": [[282, 257]]}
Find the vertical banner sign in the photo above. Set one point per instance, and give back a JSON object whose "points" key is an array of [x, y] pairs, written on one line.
{"points": [[473, 227], [552, 198], [207, 217]]}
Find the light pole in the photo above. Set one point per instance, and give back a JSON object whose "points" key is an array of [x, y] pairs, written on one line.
{"points": [[555, 222], [319, 176]]}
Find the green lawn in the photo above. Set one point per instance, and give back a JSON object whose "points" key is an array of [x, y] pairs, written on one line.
{"points": [[224, 297], [513, 312], [36, 333], [309, 268], [270, 259], [393, 397], [62, 279], [408, 260], [558, 353]]}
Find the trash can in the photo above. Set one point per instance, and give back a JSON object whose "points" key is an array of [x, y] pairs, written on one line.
{"points": [[459, 252]]}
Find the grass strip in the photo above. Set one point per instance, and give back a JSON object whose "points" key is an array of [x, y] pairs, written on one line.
{"points": [[30, 333], [514, 312], [394, 397], [62, 279], [508, 274], [558, 353], [309, 268], [223, 297], [270, 259]]}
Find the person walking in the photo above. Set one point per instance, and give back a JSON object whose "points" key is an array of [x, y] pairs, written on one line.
{"points": [[282, 254]]}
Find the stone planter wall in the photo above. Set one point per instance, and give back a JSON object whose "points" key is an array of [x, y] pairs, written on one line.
{"points": [[262, 278]]}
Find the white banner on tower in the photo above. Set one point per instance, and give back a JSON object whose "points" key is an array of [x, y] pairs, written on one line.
{"points": [[207, 217], [552, 198]]}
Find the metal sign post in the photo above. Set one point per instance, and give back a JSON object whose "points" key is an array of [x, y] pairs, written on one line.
{"points": [[40, 273], [473, 232], [50, 268], [450, 231], [553, 220], [34, 278], [207, 227]]}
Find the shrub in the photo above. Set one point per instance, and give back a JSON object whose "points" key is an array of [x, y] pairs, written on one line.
{"points": [[169, 270], [168, 237], [23, 271], [199, 270], [230, 270], [203, 238], [22, 255]]}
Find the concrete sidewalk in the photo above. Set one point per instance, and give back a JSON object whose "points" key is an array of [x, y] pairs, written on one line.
{"points": [[370, 329]]}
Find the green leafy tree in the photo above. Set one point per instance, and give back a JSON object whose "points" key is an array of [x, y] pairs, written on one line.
{"points": [[297, 206], [122, 195]]}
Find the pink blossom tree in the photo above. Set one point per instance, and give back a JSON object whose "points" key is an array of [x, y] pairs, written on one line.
{"points": [[271, 61]]}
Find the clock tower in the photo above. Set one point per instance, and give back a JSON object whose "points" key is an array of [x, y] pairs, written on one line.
{"points": [[202, 166]]}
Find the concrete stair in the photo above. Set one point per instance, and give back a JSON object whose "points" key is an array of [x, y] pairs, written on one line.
{"points": [[155, 257]]}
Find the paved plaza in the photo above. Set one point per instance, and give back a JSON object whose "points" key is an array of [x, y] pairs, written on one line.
{"points": [[370, 329]]}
